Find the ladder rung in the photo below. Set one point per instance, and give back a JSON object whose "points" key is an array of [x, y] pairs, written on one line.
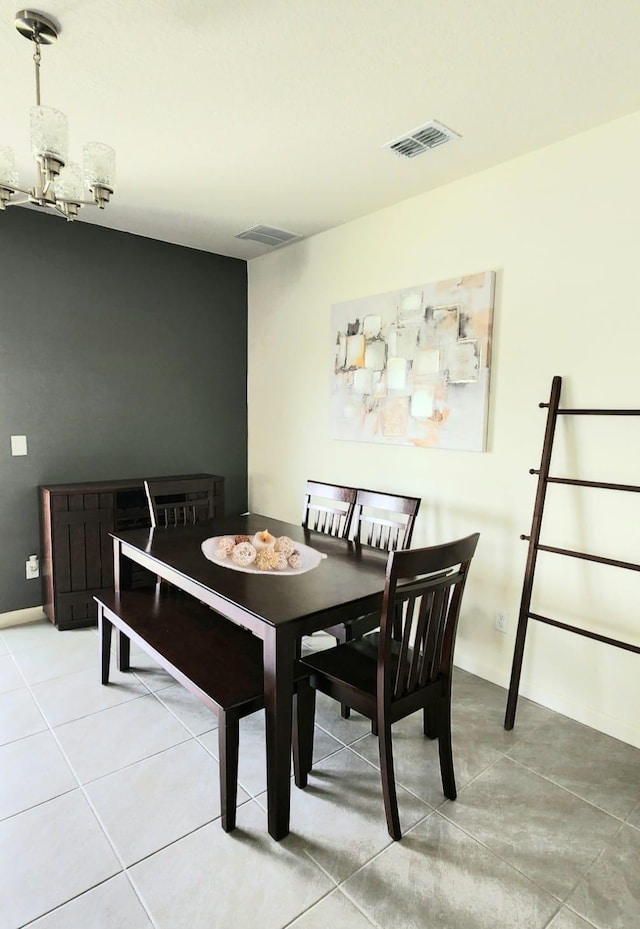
{"points": [[584, 556], [633, 488], [594, 412], [585, 632]]}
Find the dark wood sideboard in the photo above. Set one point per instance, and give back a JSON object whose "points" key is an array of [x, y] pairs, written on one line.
{"points": [[77, 551]]}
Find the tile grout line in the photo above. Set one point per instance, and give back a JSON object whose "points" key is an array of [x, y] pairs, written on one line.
{"points": [[329, 893], [497, 855], [568, 790], [81, 787], [83, 791], [116, 853]]}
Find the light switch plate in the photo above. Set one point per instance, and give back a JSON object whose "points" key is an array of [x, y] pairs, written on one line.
{"points": [[18, 445]]}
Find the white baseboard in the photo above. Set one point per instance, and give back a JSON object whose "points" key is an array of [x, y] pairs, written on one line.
{"points": [[617, 728], [18, 617]]}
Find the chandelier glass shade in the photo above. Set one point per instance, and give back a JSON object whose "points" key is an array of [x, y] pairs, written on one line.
{"points": [[60, 184]]}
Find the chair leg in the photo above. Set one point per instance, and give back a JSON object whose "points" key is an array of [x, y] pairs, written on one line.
{"points": [[304, 711], [430, 721], [388, 780], [228, 739], [104, 633], [346, 636], [445, 748]]}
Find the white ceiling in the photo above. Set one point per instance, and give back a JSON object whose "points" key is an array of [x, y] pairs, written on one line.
{"points": [[228, 113]]}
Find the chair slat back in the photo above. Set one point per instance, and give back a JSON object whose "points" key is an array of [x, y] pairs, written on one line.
{"points": [[180, 502], [384, 520], [328, 508], [420, 611]]}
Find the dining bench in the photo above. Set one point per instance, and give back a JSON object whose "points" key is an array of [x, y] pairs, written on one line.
{"points": [[218, 662]]}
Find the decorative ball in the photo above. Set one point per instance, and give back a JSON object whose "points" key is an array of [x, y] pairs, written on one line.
{"points": [[284, 544], [244, 554], [225, 546], [266, 559], [282, 563], [295, 559]]}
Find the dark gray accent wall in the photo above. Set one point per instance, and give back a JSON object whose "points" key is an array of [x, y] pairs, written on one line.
{"points": [[120, 357]]}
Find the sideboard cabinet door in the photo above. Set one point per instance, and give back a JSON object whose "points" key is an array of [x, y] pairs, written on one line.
{"points": [[77, 550]]}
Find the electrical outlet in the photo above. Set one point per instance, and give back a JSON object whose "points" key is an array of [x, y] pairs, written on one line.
{"points": [[32, 567], [501, 622]]}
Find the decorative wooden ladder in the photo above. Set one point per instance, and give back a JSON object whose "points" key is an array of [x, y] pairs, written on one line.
{"points": [[534, 543]]}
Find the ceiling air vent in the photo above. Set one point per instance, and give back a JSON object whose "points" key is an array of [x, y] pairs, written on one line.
{"points": [[422, 139], [267, 235]]}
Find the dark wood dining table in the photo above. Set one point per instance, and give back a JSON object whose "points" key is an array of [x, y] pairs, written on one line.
{"points": [[278, 608]]}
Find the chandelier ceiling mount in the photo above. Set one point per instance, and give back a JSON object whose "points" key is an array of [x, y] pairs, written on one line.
{"points": [[60, 184]]}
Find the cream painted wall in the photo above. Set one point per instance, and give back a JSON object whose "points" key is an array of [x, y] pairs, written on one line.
{"points": [[561, 228]]}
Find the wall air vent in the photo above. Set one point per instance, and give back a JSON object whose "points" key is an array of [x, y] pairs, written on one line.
{"points": [[267, 235], [422, 139]]}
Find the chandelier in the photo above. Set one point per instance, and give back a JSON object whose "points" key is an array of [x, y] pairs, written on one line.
{"points": [[59, 184]]}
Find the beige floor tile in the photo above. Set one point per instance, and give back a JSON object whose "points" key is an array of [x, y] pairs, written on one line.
{"points": [[10, 677], [147, 670], [148, 805], [105, 742], [593, 765], [438, 876], [244, 880], [73, 696], [252, 760], [609, 895], [48, 855], [63, 654], [30, 635], [19, 716], [111, 905], [33, 770], [334, 911], [567, 919], [189, 710], [340, 815], [634, 818], [564, 834], [346, 730], [417, 762]]}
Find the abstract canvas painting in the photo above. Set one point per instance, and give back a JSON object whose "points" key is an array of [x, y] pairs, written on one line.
{"points": [[411, 367]]}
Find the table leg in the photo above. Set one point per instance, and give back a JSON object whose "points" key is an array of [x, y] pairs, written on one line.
{"points": [[104, 635], [123, 652], [279, 658], [121, 581]]}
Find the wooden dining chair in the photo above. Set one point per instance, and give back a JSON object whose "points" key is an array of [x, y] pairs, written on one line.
{"points": [[385, 521], [403, 668], [180, 502], [328, 508]]}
